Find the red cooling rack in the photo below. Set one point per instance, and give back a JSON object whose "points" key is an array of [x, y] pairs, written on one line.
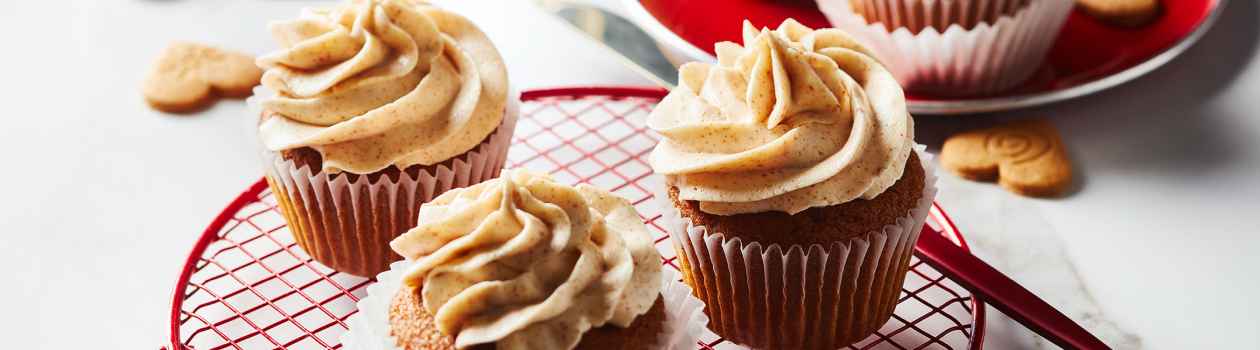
{"points": [[247, 285]]}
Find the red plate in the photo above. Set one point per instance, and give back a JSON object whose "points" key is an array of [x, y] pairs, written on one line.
{"points": [[1088, 57]]}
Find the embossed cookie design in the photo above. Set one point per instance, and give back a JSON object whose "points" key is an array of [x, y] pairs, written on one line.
{"points": [[188, 76], [1026, 157]]}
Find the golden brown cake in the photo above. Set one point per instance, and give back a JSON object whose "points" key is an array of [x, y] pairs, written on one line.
{"points": [[794, 191], [371, 108], [817, 225], [414, 328]]}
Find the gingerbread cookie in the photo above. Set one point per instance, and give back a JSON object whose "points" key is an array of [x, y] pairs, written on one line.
{"points": [[188, 76], [1025, 157], [1126, 13]]}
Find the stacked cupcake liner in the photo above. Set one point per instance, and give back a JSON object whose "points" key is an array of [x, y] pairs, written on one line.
{"points": [[685, 319], [347, 225], [796, 297], [973, 55], [940, 14]]}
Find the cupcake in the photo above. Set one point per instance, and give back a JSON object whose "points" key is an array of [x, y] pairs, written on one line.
{"points": [[523, 262], [794, 190], [370, 109], [954, 47], [917, 15]]}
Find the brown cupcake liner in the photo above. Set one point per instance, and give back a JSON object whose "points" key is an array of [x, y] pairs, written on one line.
{"points": [[916, 15], [990, 57], [370, 330], [765, 295], [347, 225]]}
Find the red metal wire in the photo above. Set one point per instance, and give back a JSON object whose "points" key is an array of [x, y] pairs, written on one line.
{"points": [[209, 235], [977, 307], [612, 92], [562, 135]]}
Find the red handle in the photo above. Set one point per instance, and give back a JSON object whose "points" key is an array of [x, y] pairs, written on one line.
{"points": [[1001, 292]]}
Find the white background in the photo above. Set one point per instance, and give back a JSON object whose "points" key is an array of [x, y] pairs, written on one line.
{"points": [[103, 197]]}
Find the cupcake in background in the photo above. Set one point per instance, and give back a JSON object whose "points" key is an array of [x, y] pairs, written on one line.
{"points": [[954, 47], [371, 108], [523, 262], [916, 15], [795, 192]]}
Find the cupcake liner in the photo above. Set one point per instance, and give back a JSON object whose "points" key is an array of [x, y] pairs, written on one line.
{"points": [[916, 15], [796, 297], [369, 328], [986, 59], [348, 224]]}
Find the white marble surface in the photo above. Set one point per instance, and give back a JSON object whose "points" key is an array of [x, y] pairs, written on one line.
{"points": [[105, 196]]}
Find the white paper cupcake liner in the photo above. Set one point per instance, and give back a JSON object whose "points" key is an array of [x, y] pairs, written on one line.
{"points": [[347, 225], [915, 15], [986, 59], [369, 328], [816, 297]]}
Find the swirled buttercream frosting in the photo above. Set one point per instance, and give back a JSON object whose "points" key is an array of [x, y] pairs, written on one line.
{"points": [[793, 119], [374, 83], [524, 262]]}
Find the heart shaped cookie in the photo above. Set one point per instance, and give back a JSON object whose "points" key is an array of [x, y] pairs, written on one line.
{"points": [[1125, 13], [188, 76], [1026, 157]]}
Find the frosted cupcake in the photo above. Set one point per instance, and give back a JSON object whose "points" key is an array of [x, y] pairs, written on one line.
{"points": [[523, 262], [371, 108], [954, 47], [794, 190]]}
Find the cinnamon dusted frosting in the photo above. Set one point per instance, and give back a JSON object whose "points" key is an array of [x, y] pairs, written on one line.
{"points": [[794, 119], [374, 83], [527, 263]]}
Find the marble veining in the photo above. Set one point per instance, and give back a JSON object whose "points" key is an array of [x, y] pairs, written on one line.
{"points": [[1010, 233]]}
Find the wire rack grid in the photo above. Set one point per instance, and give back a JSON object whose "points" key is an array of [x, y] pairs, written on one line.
{"points": [[247, 285]]}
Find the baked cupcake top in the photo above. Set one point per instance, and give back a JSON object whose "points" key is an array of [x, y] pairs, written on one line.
{"points": [[796, 118], [527, 263], [374, 83]]}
